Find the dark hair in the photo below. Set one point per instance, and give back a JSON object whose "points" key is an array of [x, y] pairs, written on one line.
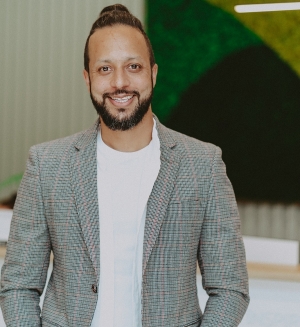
{"points": [[116, 15]]}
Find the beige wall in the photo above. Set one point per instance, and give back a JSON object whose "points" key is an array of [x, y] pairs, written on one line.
{"points": [[42, 93]]}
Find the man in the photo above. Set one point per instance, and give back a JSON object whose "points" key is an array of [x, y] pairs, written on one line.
{"points": [[127, 207]]}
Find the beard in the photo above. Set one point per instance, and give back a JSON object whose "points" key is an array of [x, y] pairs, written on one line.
{"points": [[116, 123]]}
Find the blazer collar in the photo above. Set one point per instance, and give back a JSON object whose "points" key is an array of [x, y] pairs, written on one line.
{"points": [[164, 135], [88, 137], [90, 134]]}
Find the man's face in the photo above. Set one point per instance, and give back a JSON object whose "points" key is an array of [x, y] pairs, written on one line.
{"points": [[121, 79]]}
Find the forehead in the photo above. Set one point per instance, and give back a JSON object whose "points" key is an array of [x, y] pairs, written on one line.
{"points": [[117, 43]]}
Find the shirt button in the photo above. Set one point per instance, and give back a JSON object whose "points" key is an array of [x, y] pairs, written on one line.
{"points": [[94, 288]]}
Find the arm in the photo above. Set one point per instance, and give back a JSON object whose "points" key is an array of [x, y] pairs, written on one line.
{"points": [[27, 259], [221, 253]]}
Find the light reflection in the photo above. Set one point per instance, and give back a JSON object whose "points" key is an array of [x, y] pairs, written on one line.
{"points": [[267, 7]]}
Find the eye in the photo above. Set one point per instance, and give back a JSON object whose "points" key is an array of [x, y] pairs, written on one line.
{"points": [[134, 66], [104, 69]]}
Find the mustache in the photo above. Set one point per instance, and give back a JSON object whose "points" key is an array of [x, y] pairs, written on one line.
{"points": [[120, 91]]}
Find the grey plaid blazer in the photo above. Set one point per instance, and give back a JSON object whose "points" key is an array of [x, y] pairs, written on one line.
{"points": [[191, 215]]}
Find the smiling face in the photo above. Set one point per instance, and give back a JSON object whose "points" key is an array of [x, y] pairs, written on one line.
{"points": [[120, 77]]}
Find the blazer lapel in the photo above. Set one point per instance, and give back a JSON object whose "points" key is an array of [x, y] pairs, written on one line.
{"points": [[159, 198], [83, 167]]}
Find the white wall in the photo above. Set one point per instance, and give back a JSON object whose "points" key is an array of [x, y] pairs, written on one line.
{"points": [[42, 93], [269, 220]]}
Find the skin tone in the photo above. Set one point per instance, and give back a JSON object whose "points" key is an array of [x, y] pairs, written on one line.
{"points": [[119, 60]]}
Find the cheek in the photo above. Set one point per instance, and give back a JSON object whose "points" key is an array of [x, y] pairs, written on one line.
{"points": [[143, 84], [99, 86]]}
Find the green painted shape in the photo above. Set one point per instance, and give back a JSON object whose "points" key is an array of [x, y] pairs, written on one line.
{"points": [[188, 38], [248, 104], [12, 180], [279, 30]]}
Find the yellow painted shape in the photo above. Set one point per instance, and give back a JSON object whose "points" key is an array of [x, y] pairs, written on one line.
{"points": [[279, 30]]}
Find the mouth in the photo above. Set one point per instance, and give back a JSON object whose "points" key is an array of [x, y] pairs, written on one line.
{"points": [[121, 101]]}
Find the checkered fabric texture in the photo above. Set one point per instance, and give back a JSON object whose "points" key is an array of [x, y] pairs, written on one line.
{"points": [[191, 215]]}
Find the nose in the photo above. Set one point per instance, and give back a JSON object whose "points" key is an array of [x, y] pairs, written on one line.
{"points": [[119, 79]]}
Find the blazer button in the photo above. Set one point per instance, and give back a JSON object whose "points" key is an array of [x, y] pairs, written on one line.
{"points": [[94, 288]]}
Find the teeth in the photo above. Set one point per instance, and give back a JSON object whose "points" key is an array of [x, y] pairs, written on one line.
{"points": [[121, 100]]}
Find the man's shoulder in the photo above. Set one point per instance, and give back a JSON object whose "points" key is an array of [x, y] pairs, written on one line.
{"points": [[64, 144], [189, 146]]}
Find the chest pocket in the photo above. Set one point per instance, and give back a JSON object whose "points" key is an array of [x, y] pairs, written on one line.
{"points": [[187, 209]]}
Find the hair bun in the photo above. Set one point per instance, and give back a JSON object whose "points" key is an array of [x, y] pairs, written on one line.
{"points": [[116, 7]]}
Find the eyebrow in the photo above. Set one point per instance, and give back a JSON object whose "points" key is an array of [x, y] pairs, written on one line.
{"points": [[126, 59]]}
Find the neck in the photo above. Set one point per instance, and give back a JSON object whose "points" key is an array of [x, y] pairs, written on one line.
{"points": [[131, 140]]}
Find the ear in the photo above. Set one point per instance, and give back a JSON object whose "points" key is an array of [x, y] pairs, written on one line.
{"points": [[86, 79], [154, 74]]}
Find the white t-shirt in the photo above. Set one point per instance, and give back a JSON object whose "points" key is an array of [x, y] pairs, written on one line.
{"points": [[125, 181]]}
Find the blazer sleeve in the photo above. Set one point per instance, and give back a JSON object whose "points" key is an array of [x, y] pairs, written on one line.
{"points": [[28, 252], [221, 253]]}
